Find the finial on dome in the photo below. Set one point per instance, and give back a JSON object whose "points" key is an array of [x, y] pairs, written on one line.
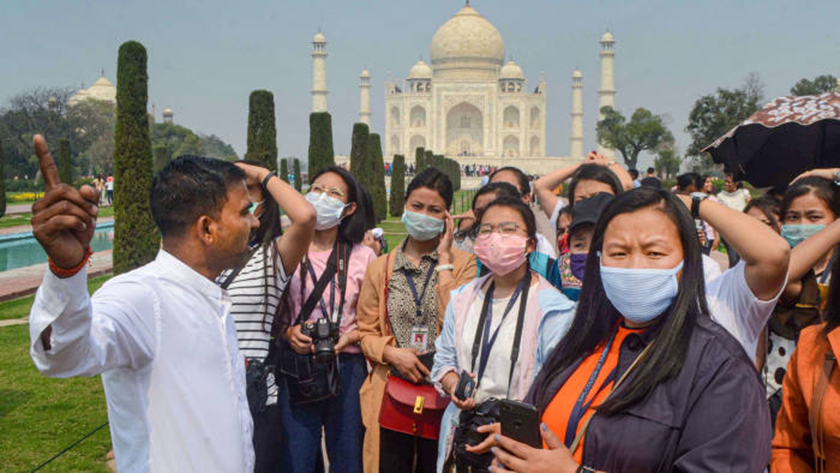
{"points": [[103, 72]]}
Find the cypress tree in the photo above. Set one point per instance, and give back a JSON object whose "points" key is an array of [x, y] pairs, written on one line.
{"points": [[161, 155], [397, 199], [428, 159], [358, 150], [65, 171], [298, 180], [376, 179], [419, 155], [321, 153], [136, 239], [2, 181], [284, 170], [262, 134]]}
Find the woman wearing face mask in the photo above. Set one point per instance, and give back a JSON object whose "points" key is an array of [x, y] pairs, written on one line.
{"points": [[400, 315], [255, 292], [464, 239], [511, 307], [644, 380], [567, 273], [810, 207], [336, 250]]}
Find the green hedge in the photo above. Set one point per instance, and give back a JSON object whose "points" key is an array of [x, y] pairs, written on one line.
{"points": [[2, 181], [376, 177], [396, 202], [321, 153], [284, 169], [65, 166], [298, 180], [262, 133], [358, 150], [136, 239]]}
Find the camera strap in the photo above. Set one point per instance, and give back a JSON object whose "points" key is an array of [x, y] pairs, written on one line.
{"points": [[320, 285], [229, 279], [482, 332]]}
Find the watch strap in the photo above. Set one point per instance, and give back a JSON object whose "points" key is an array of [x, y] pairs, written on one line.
{"points": [[695, 207], [268, 178], [837, 178]]}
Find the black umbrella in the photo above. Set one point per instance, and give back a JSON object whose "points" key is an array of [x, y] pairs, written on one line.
{"points": [[787, 137]]}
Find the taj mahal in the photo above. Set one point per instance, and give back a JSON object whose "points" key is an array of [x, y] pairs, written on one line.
{"points": [[468, 102]]}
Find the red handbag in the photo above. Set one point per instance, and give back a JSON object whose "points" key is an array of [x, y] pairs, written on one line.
{"points": [[413, 409]]}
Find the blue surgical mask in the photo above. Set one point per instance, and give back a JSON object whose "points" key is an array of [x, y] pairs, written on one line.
{"points": [[254, 205], [640, 295], [796, 234], [328, 210], [422, 227]]}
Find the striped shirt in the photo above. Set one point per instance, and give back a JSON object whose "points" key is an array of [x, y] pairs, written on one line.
{"points": [[255, 294]]}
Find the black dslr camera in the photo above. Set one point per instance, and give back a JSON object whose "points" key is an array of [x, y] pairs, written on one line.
{"points": [[324, 335]]}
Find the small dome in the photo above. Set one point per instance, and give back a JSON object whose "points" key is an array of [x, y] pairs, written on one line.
{"points": [[168, 111], [577, 74], [103, 89], [319, 38], [365, 73], [421, 70], [511, 70], [607, 38]]}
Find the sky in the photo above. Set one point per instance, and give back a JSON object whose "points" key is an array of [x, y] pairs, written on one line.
{"points": [[205, 57]]}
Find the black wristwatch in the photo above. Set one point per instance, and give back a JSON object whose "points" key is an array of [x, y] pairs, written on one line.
{"points": [[268, 178], [585, 469], [695, 207]]}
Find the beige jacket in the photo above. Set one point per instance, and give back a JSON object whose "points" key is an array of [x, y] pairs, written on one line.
{"points": [[370, 312]]}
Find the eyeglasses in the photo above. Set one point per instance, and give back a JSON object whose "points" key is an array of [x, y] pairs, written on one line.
{"points": [[504, 229], [331, 191]]}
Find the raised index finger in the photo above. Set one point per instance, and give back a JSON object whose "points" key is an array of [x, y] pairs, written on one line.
{"points": [[48, 168]]}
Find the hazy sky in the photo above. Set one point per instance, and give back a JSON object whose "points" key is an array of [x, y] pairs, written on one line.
{"points": [[205, 57]]}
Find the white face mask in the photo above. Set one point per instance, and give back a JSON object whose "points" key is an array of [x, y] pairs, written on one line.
{"points": [[328, 210]]}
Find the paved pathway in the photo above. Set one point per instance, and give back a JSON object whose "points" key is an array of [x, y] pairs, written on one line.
{"points": [[17, 209], [28, 228], [21, 282]]}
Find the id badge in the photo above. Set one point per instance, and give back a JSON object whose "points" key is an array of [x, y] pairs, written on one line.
{"points": [[419, 337]]}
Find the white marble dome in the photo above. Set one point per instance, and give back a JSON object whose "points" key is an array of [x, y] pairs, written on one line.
{"points": [[319, 38], [607, 38], [511, 70], [467, 41], [420, 70]]}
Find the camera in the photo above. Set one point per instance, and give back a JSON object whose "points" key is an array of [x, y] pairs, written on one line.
{"points": [[324, 335], [467, 433]]}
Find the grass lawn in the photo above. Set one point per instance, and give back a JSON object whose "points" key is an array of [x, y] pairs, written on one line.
{"points": [[40, 416], [18, 308], [23, 219]]}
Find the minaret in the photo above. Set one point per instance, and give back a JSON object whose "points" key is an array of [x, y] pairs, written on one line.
{"points": [[606, 94], [364, 95], [576, 139], [319, 73]]}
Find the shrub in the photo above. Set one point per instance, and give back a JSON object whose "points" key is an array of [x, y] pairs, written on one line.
{"points": [[65, 171], [284, 170], [376, 177], [298, 180], [321, 153], [396, 202], [136, 239], [262, 133]]}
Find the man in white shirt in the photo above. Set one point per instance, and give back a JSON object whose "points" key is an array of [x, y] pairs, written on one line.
{"points": [[162, 335]]}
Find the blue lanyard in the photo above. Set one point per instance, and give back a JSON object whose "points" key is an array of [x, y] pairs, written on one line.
{"points": [[581, 406], [327, 314], [488, 341], [418, 299]]}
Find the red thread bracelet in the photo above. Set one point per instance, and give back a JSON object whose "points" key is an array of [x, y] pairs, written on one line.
{"points": [[68, 272]]}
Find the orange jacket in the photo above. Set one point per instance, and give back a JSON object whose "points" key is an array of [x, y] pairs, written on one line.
{"points": [[792, 447]]}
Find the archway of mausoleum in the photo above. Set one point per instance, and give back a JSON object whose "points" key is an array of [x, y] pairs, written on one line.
{"points": [[464, 131], [418, 117], [510, 146]]}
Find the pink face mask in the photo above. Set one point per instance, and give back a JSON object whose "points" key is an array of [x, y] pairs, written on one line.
{"points": [[501, 254]]}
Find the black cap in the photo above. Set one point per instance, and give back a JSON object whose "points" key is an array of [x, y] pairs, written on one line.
{"points": [[589, 210]]}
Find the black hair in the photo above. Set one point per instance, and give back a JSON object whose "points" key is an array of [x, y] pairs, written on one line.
{"points": [[524, 184], [770, 207], [596, 318], [594, 172], [821, 187], [370, 216], [690, 179], [189, 187], [516, 204], [352, 228], [832, 307], [634, 173], [434, 179], [651, 170], [500, 189]]}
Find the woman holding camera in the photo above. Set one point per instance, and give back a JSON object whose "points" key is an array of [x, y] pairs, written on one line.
{"points": [[645, 380], [496, 332], [323, 391], [400, 314], [255, 291]]}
